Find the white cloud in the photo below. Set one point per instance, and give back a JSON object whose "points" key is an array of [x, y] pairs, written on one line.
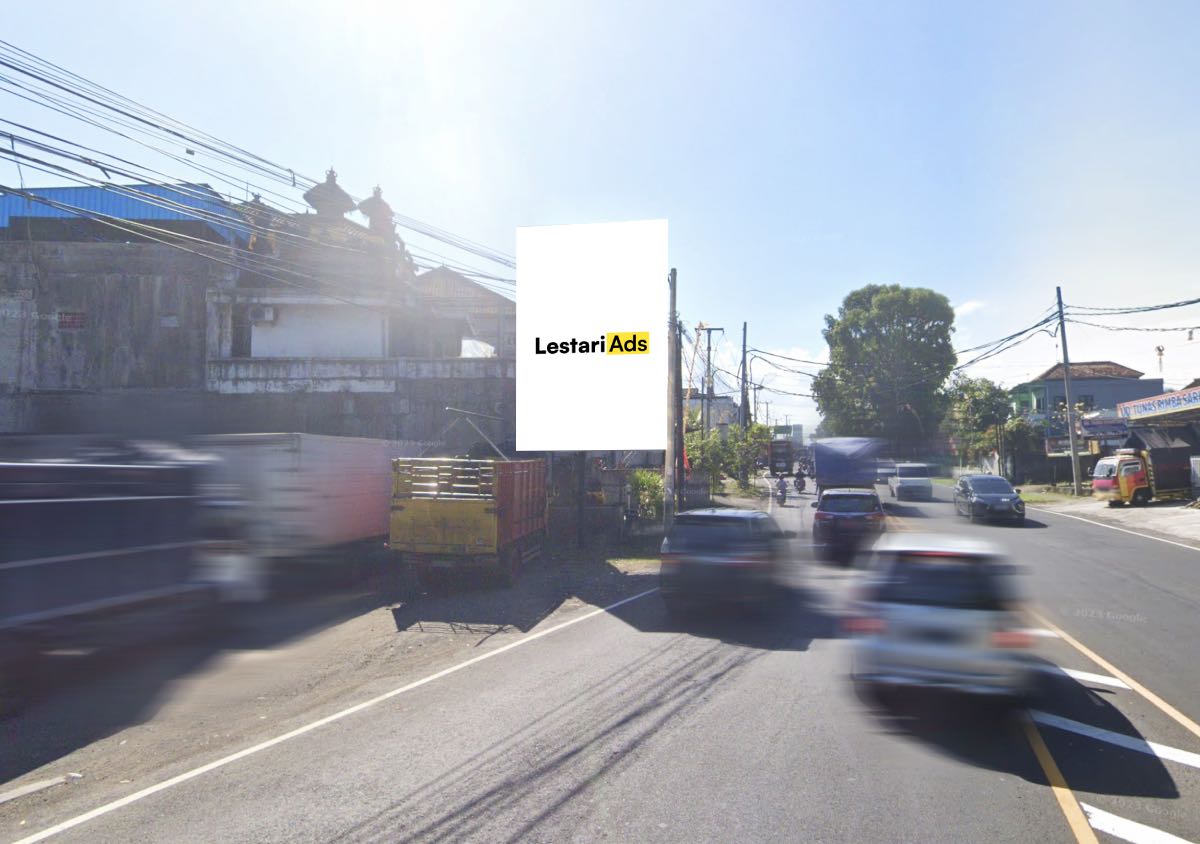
{"points": [[968, 307]]}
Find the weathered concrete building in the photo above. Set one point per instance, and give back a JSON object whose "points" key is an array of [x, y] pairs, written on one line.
{"points": [[165, 310]]}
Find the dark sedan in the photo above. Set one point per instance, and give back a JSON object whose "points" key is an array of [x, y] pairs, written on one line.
{"points": [[845, 520], [721, 555], [988, 497]]}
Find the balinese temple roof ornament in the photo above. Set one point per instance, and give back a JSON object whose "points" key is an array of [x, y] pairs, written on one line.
{"points": [[379, 214], [328, 198]]}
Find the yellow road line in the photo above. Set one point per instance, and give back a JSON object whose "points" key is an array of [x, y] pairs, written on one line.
{"points": [[1181, 719], [1062, 792]]}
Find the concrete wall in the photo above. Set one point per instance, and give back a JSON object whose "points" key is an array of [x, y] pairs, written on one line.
{"points": [[320, 331], [87, 316]]}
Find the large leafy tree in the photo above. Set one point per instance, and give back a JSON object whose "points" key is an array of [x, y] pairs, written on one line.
{"points": [[889, 353], [978, 408]]}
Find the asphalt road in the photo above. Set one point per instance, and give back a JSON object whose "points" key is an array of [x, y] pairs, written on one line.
{"points": [[618, 725]]}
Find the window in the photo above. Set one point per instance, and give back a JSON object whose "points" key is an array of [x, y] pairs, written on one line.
{"points": [[1039, 404], [1086, 402], [1131, 468]]}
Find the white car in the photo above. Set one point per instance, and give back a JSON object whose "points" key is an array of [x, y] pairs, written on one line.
{"points": [[911, 481]]}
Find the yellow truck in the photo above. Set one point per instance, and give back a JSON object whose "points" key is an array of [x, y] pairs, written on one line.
{"points": [[467, 515]]}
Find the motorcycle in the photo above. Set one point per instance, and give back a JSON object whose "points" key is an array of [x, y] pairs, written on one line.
{"points": [[799, 484], [781, 494]]}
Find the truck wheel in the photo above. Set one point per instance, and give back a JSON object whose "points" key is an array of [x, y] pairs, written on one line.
{"points": [[1141, 498], [510, 565]]}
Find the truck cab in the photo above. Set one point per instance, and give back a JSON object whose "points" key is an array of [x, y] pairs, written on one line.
{"points": [[1123, 478]]}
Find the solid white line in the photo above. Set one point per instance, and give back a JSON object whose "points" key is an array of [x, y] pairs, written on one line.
{"points": [[1112, 527], [1086, 676], [1127, 830], [1042, 631], [308, 728], [1162, 751]]}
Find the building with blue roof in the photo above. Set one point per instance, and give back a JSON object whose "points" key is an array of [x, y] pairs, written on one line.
{"points": [[112, 213]]}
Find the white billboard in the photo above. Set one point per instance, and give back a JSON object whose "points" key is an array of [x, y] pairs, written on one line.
{"points": [[592, 337]]}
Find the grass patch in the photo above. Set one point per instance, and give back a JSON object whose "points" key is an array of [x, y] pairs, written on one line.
{"points": [[944, 481]]}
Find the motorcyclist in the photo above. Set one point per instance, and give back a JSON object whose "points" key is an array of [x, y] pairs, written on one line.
{"points": [[781, 487], [799, 480]]}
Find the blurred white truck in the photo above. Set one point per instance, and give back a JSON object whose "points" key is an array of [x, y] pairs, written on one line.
{"points": [[292, 507], [911, 480]]}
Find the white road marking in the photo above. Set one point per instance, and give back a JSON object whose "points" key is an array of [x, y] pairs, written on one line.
{"points": [[1127, 830], [31, 788], [1042, 632], [308, 728], [1084, 676], [1162, 751], [1112, 527]]}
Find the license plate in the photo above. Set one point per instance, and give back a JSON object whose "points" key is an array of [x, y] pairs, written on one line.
{"points": [[936, 636]]}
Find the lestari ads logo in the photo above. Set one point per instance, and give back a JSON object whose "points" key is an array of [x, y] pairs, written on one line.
{"points": [[591, 353], [614, 343]]}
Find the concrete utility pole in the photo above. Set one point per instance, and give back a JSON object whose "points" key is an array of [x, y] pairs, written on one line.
{"points": [[744, 411], [706, 403], [1062, 330], [669, 461], [680, 421]]}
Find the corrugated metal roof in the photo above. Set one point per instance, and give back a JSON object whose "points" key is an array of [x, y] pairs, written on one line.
{"points": [[123, 202]]}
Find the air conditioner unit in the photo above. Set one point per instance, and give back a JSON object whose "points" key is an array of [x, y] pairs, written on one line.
{"points": [[262, 313]]}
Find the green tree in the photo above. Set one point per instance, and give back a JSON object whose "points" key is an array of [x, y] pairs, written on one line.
{"points": [[890, 352], [743, 448], [978, 408]]}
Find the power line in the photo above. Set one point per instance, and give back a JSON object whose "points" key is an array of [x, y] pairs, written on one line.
{"points": [[121, 110], [1140, 309]]}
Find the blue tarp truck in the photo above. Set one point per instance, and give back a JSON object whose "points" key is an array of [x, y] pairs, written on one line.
{"points": [[845, 462]]}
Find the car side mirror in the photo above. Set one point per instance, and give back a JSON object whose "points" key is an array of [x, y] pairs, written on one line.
{"points": [[814, 504]]}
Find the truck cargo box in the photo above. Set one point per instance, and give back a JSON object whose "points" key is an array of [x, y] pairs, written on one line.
{"points": [[845, 461], [467, 513], [304, 493]]}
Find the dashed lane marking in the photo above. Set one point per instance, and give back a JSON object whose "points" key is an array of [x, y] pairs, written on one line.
{"points": [[1162, 751], [1127, 830], [1173, 713], [1084, 676]]}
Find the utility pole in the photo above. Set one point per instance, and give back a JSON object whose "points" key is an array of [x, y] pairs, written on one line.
{"points": [[680, 420], [744, 415], [669, 462], [706, 405], [1062, 330], [768, 406]]}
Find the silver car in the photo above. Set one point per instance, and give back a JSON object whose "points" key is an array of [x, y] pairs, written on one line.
{"points": [[939, 612]]}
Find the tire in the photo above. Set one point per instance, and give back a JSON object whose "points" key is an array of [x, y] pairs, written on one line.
{"points": [[1115, 503], [1141, 497]]}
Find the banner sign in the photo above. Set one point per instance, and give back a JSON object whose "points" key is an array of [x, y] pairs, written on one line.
{"points": [[592, 337], [1160, 405]]}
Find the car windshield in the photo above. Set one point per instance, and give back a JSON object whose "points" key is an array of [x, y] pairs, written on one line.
{"points": [[991, 486], [849, 503], [912, 471], [707, 534], [941, 581], [1105, 469]]}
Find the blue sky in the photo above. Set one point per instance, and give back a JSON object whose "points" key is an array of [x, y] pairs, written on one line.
{"points": [[799, 150]]}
